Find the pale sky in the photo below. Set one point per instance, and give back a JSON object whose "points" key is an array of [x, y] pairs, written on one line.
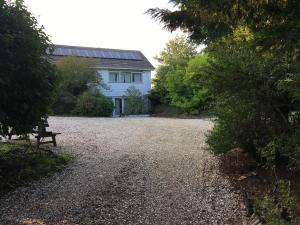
{"points": [[103, 23]]}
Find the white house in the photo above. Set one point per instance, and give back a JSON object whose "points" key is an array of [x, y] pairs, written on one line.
{"points": [[119, 69]]}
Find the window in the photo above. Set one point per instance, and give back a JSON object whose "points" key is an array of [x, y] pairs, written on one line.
{"points": [[113, 77], [136, 77], [125, 77]]}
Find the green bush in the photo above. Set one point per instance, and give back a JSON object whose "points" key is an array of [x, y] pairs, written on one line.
{"points": [[21, 164], [74, 76], [64, 102], [169, 74], [187, 87], [254, 110], [278, 207], [92, 103], [136, 103]]}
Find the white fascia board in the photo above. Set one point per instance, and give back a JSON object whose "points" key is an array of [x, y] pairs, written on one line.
{"points": [[120, 68]]}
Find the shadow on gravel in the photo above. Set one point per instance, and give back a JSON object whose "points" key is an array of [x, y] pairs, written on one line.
{"points": [[120, 198]]}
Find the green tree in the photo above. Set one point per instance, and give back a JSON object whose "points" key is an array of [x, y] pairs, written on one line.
{"points": [[187, 87], [26, 75], [208, 20], [177, 53], [175, 56], [254, 71], [75, 76]]}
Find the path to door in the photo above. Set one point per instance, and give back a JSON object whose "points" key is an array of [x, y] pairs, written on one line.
{"points": [[128, 171]]}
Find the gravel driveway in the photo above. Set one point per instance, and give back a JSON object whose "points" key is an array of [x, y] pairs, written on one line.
{"points": [[128, 171]]}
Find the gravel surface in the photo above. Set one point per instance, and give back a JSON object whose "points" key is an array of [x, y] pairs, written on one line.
{"points": [[129, 171]]}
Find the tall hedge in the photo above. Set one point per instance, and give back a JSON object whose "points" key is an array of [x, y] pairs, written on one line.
{"points": [[26, 75]]}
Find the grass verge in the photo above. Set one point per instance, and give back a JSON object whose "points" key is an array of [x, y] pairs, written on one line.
{"points": [[21, 164]]}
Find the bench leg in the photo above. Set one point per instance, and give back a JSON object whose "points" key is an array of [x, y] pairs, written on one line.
{"points": [[54, 140], [38, 141]]}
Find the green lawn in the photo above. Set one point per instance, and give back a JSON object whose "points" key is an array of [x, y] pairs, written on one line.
{"points": [[20, 164]]}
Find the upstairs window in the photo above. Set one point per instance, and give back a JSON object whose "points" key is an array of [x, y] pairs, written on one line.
{"points": [[113, 77], [136, 77], [125, 77]]}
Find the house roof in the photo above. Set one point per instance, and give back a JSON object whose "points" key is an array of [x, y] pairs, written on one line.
{"points": [[109, 58]]}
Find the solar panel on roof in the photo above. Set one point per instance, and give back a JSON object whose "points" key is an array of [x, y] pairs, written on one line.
{"points": [[110, 54], [106, 55], [64, 51], [69, 52], [92, 53], [128, 56], [118, 54], [132, 55], [101, 53], [136, 55], [123, 56], [79, 53], [97, 53], [89, 53], [114, 54], [58, 51]]}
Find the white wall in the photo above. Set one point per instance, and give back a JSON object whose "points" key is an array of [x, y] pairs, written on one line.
{"points": [[119, 89]]}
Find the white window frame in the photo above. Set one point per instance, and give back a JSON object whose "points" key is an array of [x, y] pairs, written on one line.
{"points": [[119, 77], [141, 74], [123, 80], [116, 73]]}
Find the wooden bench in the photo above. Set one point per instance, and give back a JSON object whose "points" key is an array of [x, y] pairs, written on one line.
{"points": [[45, 135], [41, 133]]}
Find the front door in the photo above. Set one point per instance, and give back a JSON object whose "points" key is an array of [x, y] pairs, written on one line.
{"points": [[118, 106]]}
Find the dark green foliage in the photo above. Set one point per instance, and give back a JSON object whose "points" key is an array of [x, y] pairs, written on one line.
{"points": [[253, 73], [208, 20], [253, 110], [177, 52], [187, 87], [175, 56], [167, 111], [278, 207], [174, 83], [76, 76], [136, 103], [64, 102], [159, 94], [92, 103], [26, 75], [21, 164]]}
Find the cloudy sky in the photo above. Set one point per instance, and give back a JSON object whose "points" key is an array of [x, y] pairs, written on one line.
{"points": [[103, 23]]}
